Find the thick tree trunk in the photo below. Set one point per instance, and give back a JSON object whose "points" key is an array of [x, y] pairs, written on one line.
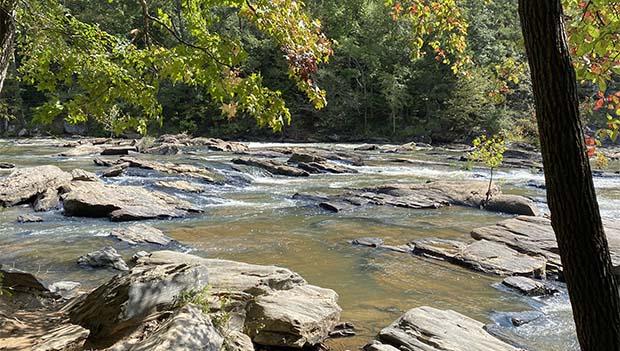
{"points": [[7, 35], [570, 191]]}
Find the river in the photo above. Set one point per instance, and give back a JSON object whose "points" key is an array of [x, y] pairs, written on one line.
{"points": [[256, 221]]}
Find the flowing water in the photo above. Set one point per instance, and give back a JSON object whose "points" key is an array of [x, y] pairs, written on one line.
{"points": [[256, 221]]}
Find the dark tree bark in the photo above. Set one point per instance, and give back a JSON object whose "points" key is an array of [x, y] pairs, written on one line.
{"points": [[570, 191], [7, 35]]}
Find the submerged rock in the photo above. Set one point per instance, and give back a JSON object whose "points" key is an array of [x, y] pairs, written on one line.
{"points": [[272, 166], [122, 203], [106, 257], [25, 184], [141, 234], [371, 242], [430, 329]]}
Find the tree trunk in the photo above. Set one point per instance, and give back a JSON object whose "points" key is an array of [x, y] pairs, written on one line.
{"points": [[570, 191], [7, 35]]}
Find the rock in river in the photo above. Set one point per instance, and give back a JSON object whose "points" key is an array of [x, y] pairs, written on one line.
{"points": [[28, 218], [25, 184], [535, 236], [430, 329], [122, 203], [529, 286], [298, 317], [271, 166], [141, 234], [106, 257]]}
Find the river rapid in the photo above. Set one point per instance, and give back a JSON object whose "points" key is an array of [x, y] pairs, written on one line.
{"points": [[256, 220]]}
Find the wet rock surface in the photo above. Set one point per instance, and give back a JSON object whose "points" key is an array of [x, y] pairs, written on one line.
{"points": [[529, 286], [273, 167]]}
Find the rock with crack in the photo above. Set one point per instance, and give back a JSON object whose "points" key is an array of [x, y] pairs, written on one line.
{"points": [[535, 236], [429, 329], [47, 201], [173, 168], [25, 184], [141, 234], [299, 317], [181, 185], [272, 167], [187, 329], [125, 301], [528, 286], [67, 337], [106, 257], [122, 203]]}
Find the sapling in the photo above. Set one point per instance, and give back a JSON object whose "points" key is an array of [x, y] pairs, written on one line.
{"points": [[489, 151]]}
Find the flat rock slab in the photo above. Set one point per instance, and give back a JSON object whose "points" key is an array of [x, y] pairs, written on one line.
{"points": [[483, 256], [118, 150], [122, 203], [25, 184], [528, 286], [227, 275], [65, 337], [271, 166], [82, 150], [27, 218], [181, 185], [427, 196], [173, 168], [430, 329], [141, 234], [535, 236], [295, 318]]}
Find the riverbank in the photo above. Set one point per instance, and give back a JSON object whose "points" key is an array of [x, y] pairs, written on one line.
{"points": [[242, 211]]}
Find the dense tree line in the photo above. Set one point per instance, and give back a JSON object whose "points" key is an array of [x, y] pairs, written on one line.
{"points": [[374, 88]]}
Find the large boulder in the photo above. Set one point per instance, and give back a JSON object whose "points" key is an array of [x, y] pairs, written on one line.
{"points": [[125, 300], [298, 317], [188, 329], [429, 329], [25, 184], [219, 144], [227, 275], [122, 203], [47, 200]]}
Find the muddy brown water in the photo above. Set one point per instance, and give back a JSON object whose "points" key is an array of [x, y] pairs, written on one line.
{"points": [[256, 221]]}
